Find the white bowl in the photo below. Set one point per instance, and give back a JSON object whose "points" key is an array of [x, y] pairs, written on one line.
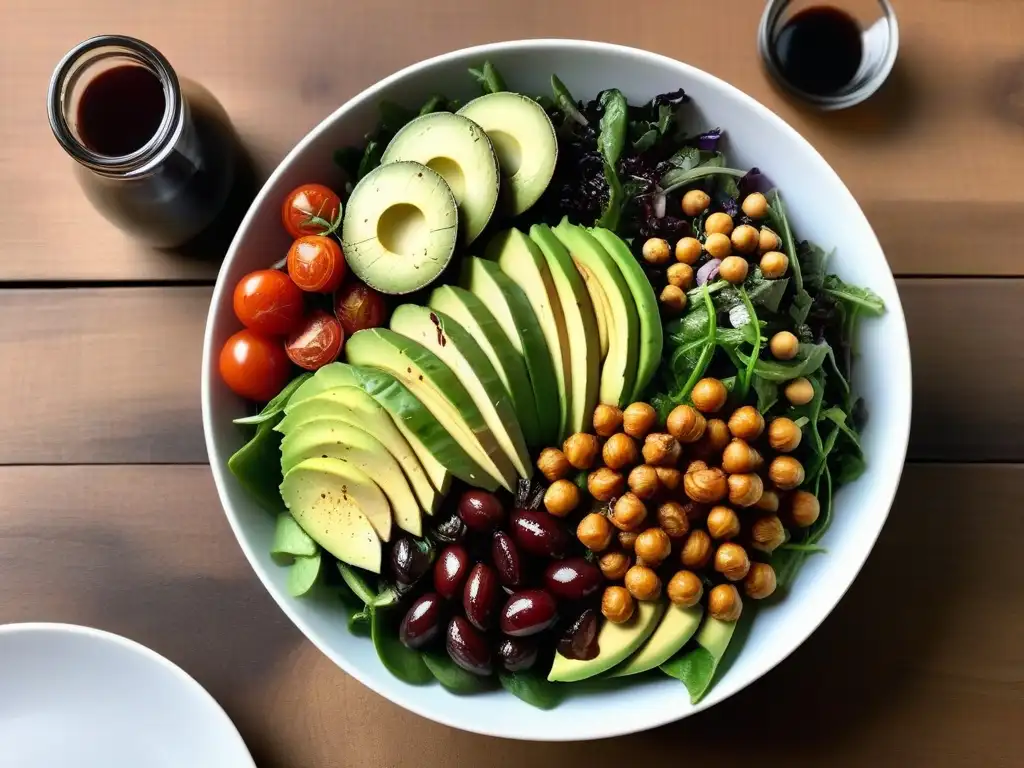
{"points": [[821, 209]]}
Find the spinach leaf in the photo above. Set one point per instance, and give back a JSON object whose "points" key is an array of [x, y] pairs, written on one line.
{"points": [[614, 121], [849, 466], [276, 406], [761, 291], [646, 141], [809, 359], [685, 159], [257, 465], [864, 298], [767, 393], [837, 415], [404, 663], [303, 575], [746, 375], [695, 337], [565, 102], [533, 689], [813, 261], [489, 78], [357, 583], [452, 676], [677, 178], [613, 208], [696, 667], [290, 541]]}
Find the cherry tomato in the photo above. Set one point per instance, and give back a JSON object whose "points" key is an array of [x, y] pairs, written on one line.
{"points": [[317, 343], [308, 201], [268, 302], [358, 307], [254, 366], [316, 264]]}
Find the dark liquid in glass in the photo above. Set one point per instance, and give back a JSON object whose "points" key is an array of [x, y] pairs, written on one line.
{"points": [[819, 50], [120, 110]]}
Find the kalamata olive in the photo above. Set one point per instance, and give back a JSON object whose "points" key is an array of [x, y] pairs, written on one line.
{"points": [[422, 622], [538, 533], [505, 556], [480, 597], [467, 647], [449, 528], [451, 570], [528, 612], [481, 511], [572, 579], [580, 639], [517, 653], [408, 561]]}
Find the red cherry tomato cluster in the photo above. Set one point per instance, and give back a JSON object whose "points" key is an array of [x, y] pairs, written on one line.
{"points": [[283, 323]]}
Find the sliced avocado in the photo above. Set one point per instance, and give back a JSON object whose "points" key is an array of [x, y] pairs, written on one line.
{"points": [[651, 337], [290, 541], [615, 641], [459, 150], [337, 439], [673, 632], [602, 309], [512, 311], [581, 329], [454, 346], [696, 668], [435, 385], [331, 506], [400, 227], [524, 140], [471, 313], [521, 259], [303, 574], [618, 374]]}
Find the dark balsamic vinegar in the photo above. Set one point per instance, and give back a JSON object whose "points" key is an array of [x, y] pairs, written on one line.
{"points": [[120, 110], [819, 49]]}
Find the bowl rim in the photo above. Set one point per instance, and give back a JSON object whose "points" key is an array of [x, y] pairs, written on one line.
{"points": [[899, 431]]}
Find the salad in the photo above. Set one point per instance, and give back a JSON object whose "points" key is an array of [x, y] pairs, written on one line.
{"points": [[550, 392]]}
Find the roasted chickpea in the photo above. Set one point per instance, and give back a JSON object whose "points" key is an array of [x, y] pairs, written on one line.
{"points": [[661, 450], [680, 275], [784, 345], [594, 532], [768, 241], [769, 501], [688, 251], [657, 251], [653, 546], [561, 497], [745, 489], [605, 484], [723, 523], [804, 508], [627, 540], [709, 395], [744, 239], [696, 552], [717, 435], [696, 465], [733, 269], [774, 265], [581, 450], [685, 589], [760, 582], [553, 464], [732, 561], [620, 451], [786, 472], [607, 420], [799, 391], [784, 435], [718, 246], [686, 424], [738, 457], [617, 605], [638, 419], [643, 481], [673, 520], [755, 205], [614, 565], [706, 485], [669, 478], [718, 223], [695, 202], [643, 583], [746, 423], [629, 512], [724, 602], [672, 299], [767, 534]]}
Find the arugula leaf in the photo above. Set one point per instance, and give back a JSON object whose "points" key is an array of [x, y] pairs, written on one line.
{"points": [[824, 520], [614, 121], [533, 689], [813, 261], [489, 78], [696, 338], [863, 298], [762, 292], [767, 393], [435, 103], [809, 359], [565, 102], [837, 416], [276, 406], [453, 677], [404, 663], [747, 375], [849, 467], [801, 305], [677, 178], [257, 465], [811, 412], [613, 208], [372, 154]]}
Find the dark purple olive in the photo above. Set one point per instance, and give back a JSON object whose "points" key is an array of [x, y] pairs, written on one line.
{"points": [[422, 623], [467, 647], [408, 561], [505, 556], [572, 579], [480, 597], [580, 640], [517, 653], [481, 511], [450, 571], [528, 612], [449, 528], [538, 533]]}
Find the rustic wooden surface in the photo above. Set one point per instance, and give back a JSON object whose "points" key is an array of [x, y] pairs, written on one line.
{"points": [[108, 514]]}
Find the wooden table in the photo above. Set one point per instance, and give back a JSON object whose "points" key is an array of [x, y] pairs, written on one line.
{"points": [[108, 514]]}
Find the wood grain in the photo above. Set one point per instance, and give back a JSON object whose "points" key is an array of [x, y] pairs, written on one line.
{"points": [[919, 665], [952, 104]]}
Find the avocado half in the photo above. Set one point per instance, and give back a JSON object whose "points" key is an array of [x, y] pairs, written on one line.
{"points": [[400, 227]]}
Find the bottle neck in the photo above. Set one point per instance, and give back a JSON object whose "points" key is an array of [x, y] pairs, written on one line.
{"points": [[79, 67]]}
